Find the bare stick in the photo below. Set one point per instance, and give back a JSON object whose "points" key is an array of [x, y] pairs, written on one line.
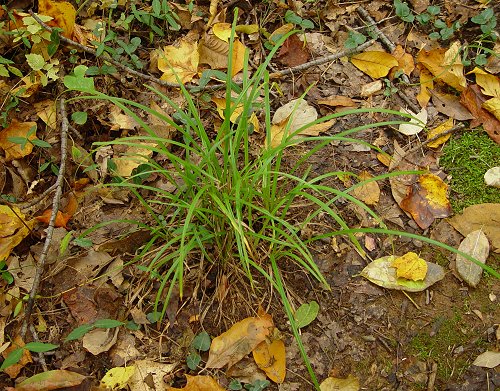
{"points": [[372, 26], [50, 230], [41, 356], [36, 200]]}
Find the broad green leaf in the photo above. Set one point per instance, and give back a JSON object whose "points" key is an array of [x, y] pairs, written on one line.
{"points": [[78, 81], [79, 332], [107, 323], [79, 117], [306, 313], [39, 347], [201, 341], [192, 360], [12, 358], [35, 61]]}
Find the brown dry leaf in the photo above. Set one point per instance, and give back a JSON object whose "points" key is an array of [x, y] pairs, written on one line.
{"points": [[14, 370], [476, 245], [246, 371], [473, 99], [231, 346], [450, 105], [293, 52], [336, 384], [373, 63], [215, 52], [153, 372], [26, 130], [63, 14], [337, 100], [271, 358], [133, 157], [405, 62], [482, 216], [179, 61], [120, 120], [13, 229], [426, 84], [427, 200], [447, 125], [369, 192], [450, 72], [100, 340], [410, 266], [51, 380], [199, 383]]}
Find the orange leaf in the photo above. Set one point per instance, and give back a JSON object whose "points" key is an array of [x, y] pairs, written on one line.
{"points": [[19, 130], [199, 383], [443, 65], [61, 218], [14, 370], [427, 200], [426, 83], [271, 358], [231, 346], [405, 62], [64, 15]]}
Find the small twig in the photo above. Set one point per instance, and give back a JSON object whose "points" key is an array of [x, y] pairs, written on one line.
{"points": [[36, 200], [41, 356], [432, 376], [320, 61], [372, 26], [50, 229]]}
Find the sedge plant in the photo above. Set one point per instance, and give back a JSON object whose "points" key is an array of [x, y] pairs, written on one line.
{"points": [[229, 206]]}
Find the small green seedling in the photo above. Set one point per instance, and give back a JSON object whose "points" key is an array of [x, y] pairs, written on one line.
{"points": [[257, 385], [22, 141], [306, 314], [80, 331], [15, 356], [292, 17], [354, 39], [6, 275], [201, 343]]}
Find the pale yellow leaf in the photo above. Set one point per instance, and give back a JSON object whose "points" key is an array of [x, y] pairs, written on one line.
{"points": [[447, 125], [222, 31], [375, 64], [490, 84], [179, 61], [493, 106], [117, 378], [410, 266]]}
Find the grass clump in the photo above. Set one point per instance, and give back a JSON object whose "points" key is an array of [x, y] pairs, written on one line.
{"points": [[467, 158]]}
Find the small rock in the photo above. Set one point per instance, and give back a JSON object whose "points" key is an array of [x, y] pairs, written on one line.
{"points": [[492, 177]]}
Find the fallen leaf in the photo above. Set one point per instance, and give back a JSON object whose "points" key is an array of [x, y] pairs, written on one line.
{"points": [[246, 371], [19, 130], [279, 32], [62, 219], [222, 31], [14, 370], [492, 177], [99, 340], [405, 62], [271, 358], [120, 120], [426, 84], [416, 125], [490, 84], [46, 111], [373, 63], [199, 383], [447, 125], [450, 73], [117, 378], [450, 105], [179, 61], [493, 106], [477, 246], [337, 100], [154, 372], [51, 380], [427, 200], [13, 229], [382, 273], [410, 266], [336, 384], [231, 346], [483, 217], [293, 52], [306, 314], [63, 14], [133, 157], [368, 192], [215, 52], [369, 89], [487, 359], [473, 99]]}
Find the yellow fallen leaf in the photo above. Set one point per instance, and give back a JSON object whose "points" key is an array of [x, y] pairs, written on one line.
{"points": [[247, 28], [20, 131], [13, 229], [405, 61], [368, 192], [447, 125], [63, 14], [493, 106], [133, 157], [271, 358], [221, 106], [46, 111], [426, 84], [117, 378], [215, 52], [374, 64], [243, 337], [490, 84], [199, 383], [445, 65], [336, 384], [179, 61], [410, 266], [222, 31]]}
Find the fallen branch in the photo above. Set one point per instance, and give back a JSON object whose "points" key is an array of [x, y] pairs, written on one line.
{"points": [[50, 229]]}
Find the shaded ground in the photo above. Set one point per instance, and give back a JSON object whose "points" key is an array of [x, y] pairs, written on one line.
{"points": [[388, 339]]}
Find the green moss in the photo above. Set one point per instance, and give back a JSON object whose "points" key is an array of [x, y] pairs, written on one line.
{"points": [[452, 332], [467, 158]]}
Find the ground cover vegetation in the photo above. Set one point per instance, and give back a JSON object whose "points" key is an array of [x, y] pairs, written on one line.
{"points": [[249, 195]]}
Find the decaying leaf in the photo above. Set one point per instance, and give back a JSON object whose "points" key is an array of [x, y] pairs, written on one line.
{"points": [[450, 105], [382, 273], [215, 52], [426, 84], [17, 131], [51, 380], [13, 229], [336, 384], [179, 61], [368, 192], [199, 383], [100, 340], [490, 84], [416, 125], [231, 346], [477, 246], [133, 157], [271, 358], [410, 266], [405, 62], [63, 14], [487, 359], [236, 113], [337, 100], [447, 125], [427, 200], [293, 52], [154, 372], [375, 64], [492, 177]]}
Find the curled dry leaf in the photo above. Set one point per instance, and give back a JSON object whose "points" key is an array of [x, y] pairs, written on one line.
{"points": [[243, 337], [179, 61], [476, 245], [368, 192]]}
